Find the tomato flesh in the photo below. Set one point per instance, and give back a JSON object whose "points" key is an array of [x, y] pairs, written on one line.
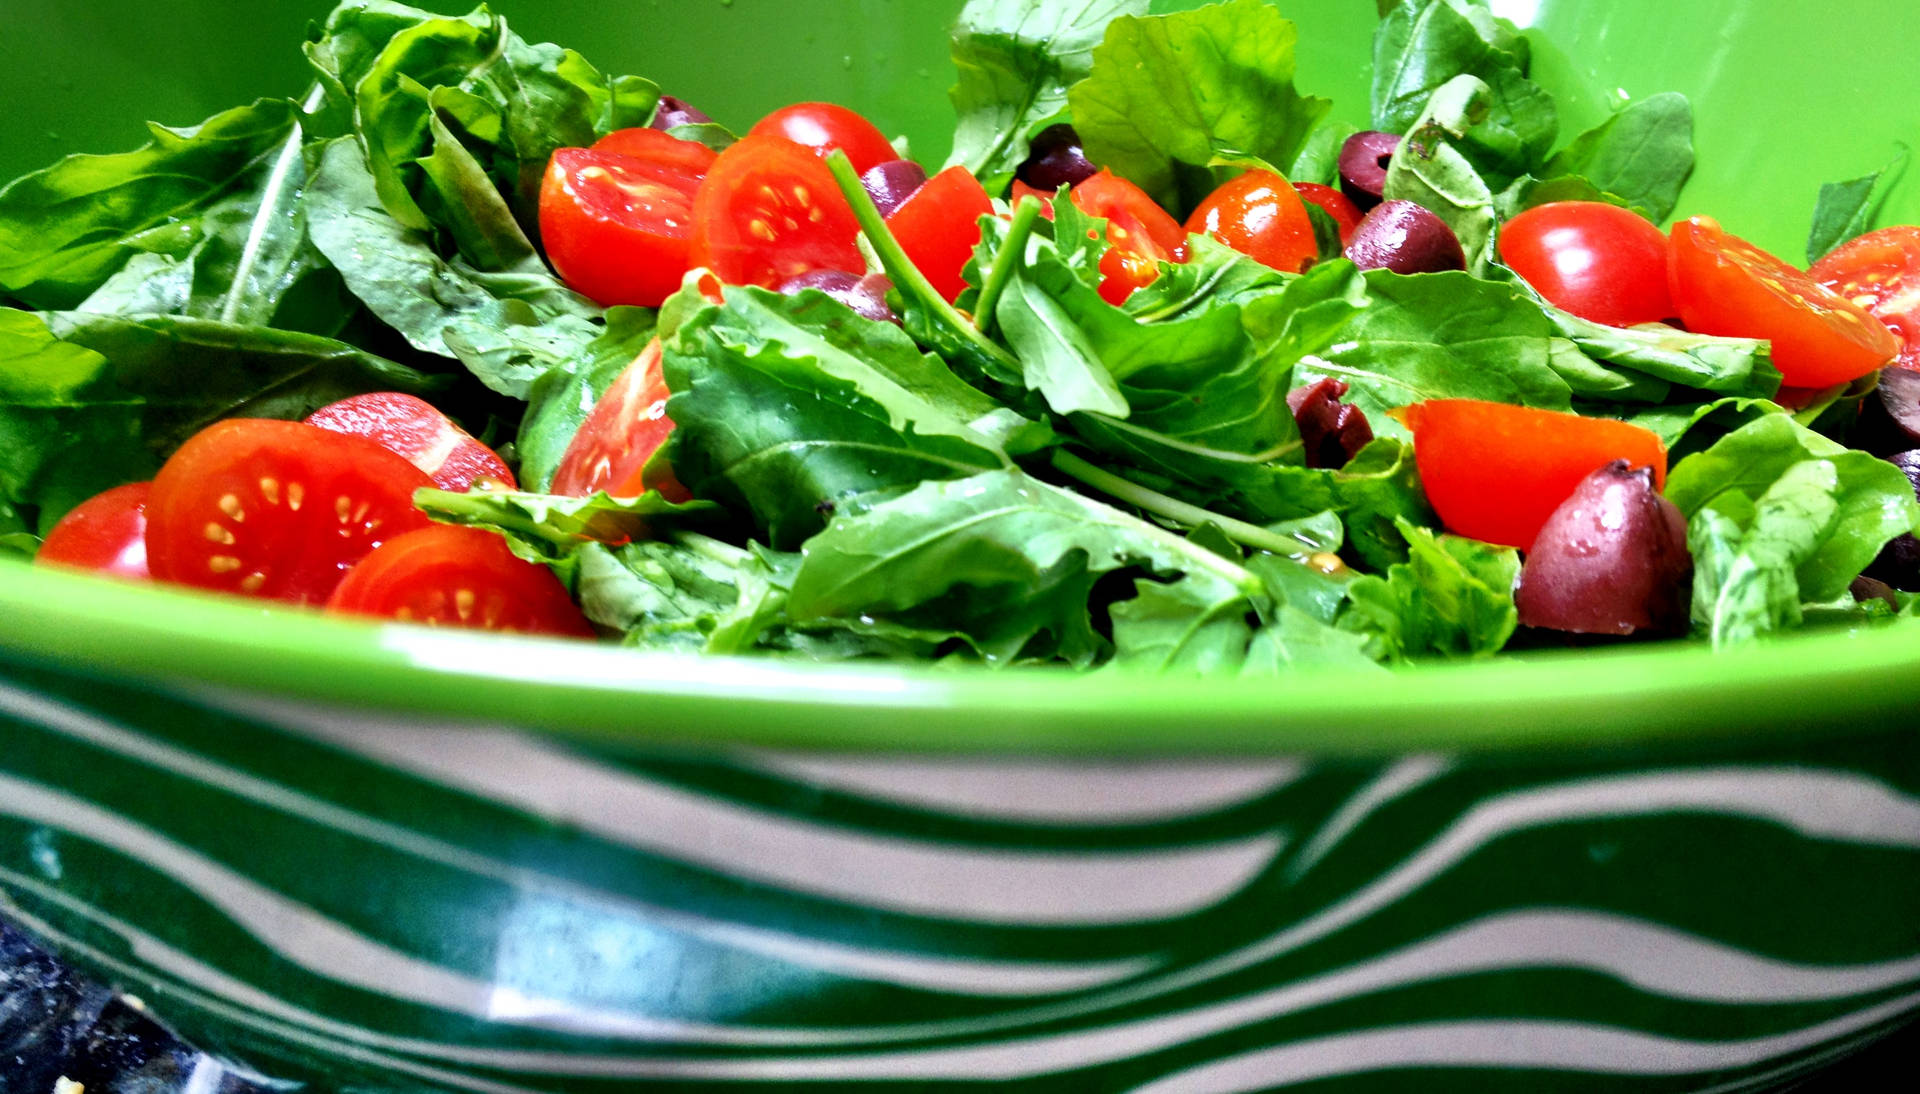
{"points": [[1724, 285], [939, 226], [1140, 234], [1260, 215], [615, 225], [276, 509], [107, 534], [1496, 472], [660, 151], [414, 428], [824, 127], [445, 576], [1880, 272], [1600, 262], [615, 445], [769, 211]]}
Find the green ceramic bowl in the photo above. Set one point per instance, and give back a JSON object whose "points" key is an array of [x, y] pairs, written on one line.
{"points": [[388, 859]]}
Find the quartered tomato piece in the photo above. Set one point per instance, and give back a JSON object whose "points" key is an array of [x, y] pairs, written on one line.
{"points": [[1337, 205], [615, 224], [1880, 271], [1724, 285], [1600, 262], [444, 576], [1142, 235], [824, 127], [622, 432], [415, 429], [107, 533], [1496, 472], [276, 509], [1259, 215], [769, 211], [939, 226]]}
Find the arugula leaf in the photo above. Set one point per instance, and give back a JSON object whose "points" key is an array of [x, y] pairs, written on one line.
{"points": [[1016, 60], [1171, 96], [549, 528], [1702, 362], [1847, 209], [1056, 355], [1453, 597], [1214, 274], [1642, 155], [1431, 171], [1193, 625], [66, 229]]}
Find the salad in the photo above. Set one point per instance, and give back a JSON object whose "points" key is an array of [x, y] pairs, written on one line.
{"points": [[1163, 369]]}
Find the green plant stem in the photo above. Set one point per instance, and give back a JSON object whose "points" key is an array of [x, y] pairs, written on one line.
{"points": [[1153, 501], [1012, 254]]}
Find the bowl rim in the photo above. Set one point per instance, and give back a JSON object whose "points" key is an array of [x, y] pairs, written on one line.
{"points": [[1822, 684]]}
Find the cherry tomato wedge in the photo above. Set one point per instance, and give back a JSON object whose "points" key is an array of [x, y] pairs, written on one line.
{"points": [[1600, 262], [1880, 271], [769, 211], [1338, 206], [824, 127], [1725, 285], [1044, 197], [1496, 472], [1140, 233], [444, 576], [107, 533], [615, 224], [1259, 214], [939, 226], [276, 509], [415, 429], [613, 447]]}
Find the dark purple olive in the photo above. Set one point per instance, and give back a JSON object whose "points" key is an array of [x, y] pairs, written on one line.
{"points": [[1890, 417], [1611, 560], [1363, 166], [1055, 159], [1899, 561], [867, 296], [890, 184], [673, 113], [1331, 431], [1405, 238]]}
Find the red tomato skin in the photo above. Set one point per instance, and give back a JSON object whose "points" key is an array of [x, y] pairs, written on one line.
{"points": [[616, 227], [1260, 215], [1141, 235], [824, 127], [1337, 205], [1880, 272], [615, 446], [106, 534], [1600, 262], [276, 509], [769, 211], [666, 153], [414, 428], [1724, 285], [443, 575], [939, 226], [1496, 472], [1044, 197]]}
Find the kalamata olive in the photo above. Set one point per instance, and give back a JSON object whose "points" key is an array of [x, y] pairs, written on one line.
{"points": [[1363, 166], [673, 113], [891, 183], [1055, 159], [1611, 560], [1890, 417], [1404, 237], [1899, 561], [867, 296], [1331, 431]]}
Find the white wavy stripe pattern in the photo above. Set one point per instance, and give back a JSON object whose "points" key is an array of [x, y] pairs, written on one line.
{"points": [[959, 975]]}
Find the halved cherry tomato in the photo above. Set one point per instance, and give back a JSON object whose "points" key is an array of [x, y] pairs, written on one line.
{"points": [[1496, 472], [769, 211], [1259, 214], [1598, 261], [276, 509], [1044, 197], [444, 576], [107, 533], [1140, 233], [939, 226], [626, 427], [615, 224], [415, 429], [1724, 285], [1880, 271], [824, 127], [1338, 206]]}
